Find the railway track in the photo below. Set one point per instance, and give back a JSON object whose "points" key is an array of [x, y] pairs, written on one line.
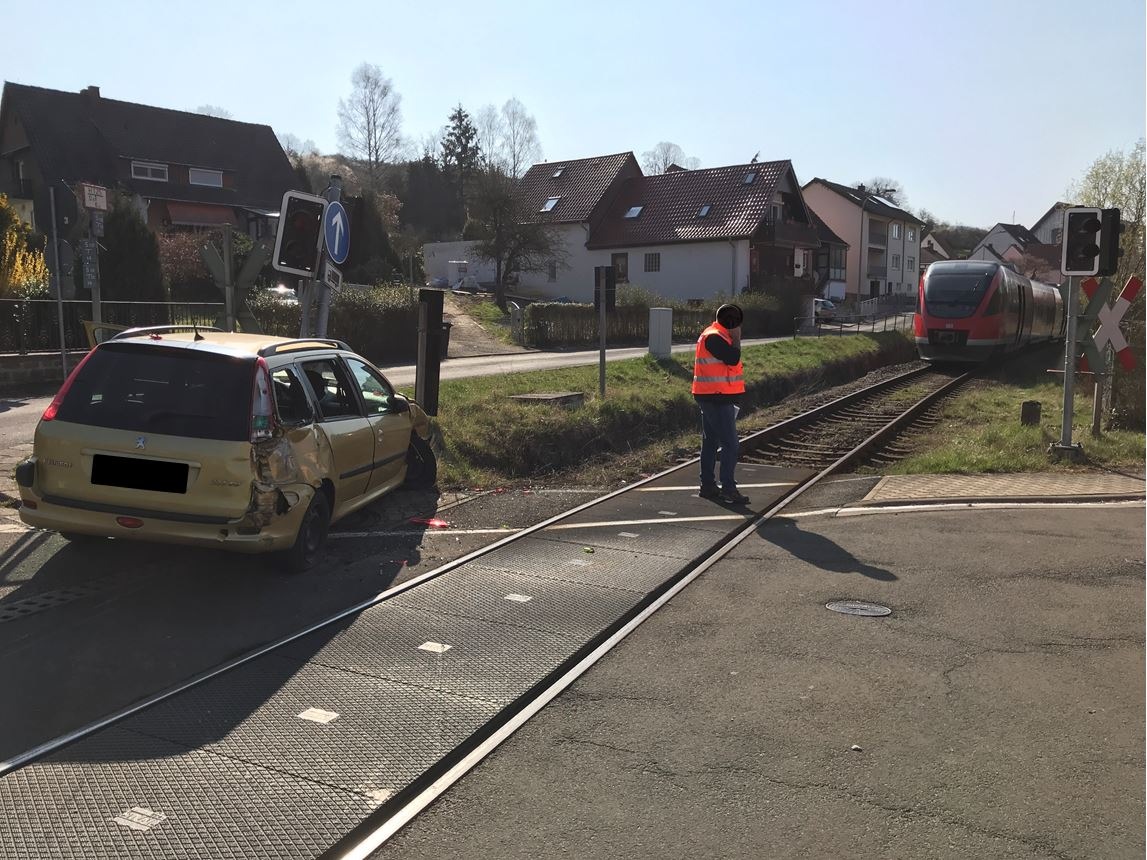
{"points": [[859, 426], [821, 442]]}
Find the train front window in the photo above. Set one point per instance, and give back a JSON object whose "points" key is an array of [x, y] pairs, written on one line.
{"points": [[952, 295]]}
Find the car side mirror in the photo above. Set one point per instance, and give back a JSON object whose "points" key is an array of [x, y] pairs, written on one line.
{"points": [[398, 403]]}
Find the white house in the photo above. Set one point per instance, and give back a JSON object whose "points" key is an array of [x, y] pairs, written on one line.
{"points": [[1002, 237], [1049, 228], [931, 242], [883, 239], [685, 234]]}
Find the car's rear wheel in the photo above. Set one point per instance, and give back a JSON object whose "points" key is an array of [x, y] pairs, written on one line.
{"points": [[311, 536], [421, 464]]}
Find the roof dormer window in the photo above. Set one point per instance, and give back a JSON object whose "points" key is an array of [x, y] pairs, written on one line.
{"points": [[210, 178], [750, 178], [558, 172], [633, 211], [704, 211], [149, 170], [549, 205]]}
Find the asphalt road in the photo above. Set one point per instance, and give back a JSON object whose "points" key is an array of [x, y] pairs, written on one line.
{"points": [[998, 712]]}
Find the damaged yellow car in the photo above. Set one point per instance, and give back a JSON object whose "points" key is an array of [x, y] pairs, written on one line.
{"points": [[244, 442]]}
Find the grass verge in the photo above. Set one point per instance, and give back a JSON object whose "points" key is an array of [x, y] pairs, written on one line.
{"points": [[488, 439], [490, 317], [980, 428]]}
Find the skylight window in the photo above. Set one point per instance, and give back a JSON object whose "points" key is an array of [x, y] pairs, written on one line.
{"points": [[750, 178], [550, 204], [704, 213], [558, 172], [633, 211]]}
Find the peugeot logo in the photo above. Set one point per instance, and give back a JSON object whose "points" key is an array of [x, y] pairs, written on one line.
{"points": [[140, 442]]}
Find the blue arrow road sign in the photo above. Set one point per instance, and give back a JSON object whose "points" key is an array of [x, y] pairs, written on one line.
{"points": [[336, 230]]}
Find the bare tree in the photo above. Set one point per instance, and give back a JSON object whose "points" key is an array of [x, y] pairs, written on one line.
{"points": [[510, 235], [294, 147], [890, 189], [370, 122], [508, 138], [214, 110], [520, 145], [665, 155]]}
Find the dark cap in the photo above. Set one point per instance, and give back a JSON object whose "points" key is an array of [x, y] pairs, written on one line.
{"points": [[730, 316]]}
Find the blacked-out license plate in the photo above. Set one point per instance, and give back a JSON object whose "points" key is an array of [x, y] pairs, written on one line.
{"points": [[134, 473]]}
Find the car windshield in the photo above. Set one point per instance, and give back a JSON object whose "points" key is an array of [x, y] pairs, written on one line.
{"points": [[147, 389], [954, 294]]}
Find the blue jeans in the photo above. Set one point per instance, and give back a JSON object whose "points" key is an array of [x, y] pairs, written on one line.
{"points": [[718, 430]]}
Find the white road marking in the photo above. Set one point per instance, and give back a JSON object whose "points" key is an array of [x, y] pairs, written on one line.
{"points": [[421, 533], [139, 818], [693, 487], [434, 647], [956, 506], [608, 523], [318, 715], [626, 534], [519, 598], [668, 513]]}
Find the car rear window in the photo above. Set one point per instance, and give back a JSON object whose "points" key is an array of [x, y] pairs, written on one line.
{"points": [[177, 392]]}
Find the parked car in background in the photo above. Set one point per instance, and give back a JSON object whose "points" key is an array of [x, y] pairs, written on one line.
{"points": [[823, 310], [243, 442]]}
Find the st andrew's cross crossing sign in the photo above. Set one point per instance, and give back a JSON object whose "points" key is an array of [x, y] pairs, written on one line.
{"points": [[336, 231], [1109, 317]]}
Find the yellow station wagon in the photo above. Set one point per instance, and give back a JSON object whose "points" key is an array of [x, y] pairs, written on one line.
{"points": [[244, 442]]}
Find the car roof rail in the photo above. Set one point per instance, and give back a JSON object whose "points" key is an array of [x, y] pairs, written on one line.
{"points": [[320, 342], [156, 329]]}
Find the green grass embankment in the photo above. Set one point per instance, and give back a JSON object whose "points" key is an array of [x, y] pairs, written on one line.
{"points": [[491, 440], [980, 431]]}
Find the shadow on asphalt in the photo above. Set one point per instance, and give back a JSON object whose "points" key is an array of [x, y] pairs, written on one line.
{"points": [[818, 550]]}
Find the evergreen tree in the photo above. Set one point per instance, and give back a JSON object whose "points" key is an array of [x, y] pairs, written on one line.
{"points": [[460, 153], [129, 263]]}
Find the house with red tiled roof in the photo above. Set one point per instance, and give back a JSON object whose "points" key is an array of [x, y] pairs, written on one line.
{"points": [[684, 234]]}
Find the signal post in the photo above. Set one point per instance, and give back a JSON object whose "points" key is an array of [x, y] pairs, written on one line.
{"points": [[1090, 247]]}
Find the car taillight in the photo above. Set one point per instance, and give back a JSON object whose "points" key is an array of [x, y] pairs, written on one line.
{"points": [[54, 406], [262, 410]]}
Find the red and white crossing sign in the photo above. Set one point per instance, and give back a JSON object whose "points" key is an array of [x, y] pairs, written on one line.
{"points": [[1110, 316]]}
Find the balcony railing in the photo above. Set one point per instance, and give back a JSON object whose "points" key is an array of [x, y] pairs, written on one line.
{"points": [[877, 237], [789, 230]]}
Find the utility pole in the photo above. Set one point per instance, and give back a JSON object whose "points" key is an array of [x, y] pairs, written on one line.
{"points": [[56, 276]]}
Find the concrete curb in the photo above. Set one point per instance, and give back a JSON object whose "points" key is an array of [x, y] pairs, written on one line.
{"points": [[971, 500]]}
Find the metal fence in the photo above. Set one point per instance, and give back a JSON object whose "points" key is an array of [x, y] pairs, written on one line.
{"points": [[32, 325], [858, 324]]}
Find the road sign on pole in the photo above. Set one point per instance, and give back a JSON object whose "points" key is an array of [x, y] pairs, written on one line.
{"points": [[1110, 316], [95, 197], [332, 277], [336, 230]]}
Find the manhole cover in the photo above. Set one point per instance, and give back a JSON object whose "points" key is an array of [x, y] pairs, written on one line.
{"points": [[858, 607]]}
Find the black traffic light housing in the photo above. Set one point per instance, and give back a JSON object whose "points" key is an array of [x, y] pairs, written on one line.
{"points": [[1109, 235], [300, 233], [1081, 228]]}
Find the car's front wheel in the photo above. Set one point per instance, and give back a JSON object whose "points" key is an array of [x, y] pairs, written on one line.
{"points": [[421, 464], [311, 536]]}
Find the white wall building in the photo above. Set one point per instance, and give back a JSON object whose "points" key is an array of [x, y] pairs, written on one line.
{"points": [[685, 234], [883, 239]]}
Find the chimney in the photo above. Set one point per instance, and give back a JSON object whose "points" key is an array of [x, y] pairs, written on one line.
{"points": [[92, 94]]}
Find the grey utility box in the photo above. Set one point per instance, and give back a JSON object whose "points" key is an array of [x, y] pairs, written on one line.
{"points": [[660, 332]]}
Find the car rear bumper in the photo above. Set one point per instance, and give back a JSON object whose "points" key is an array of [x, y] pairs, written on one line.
{"points": [[69, 516]]}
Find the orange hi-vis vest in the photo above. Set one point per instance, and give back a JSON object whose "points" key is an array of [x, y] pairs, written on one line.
{"points": [[710, 374]]}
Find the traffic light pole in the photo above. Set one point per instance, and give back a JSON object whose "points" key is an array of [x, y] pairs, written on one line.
{"points": [[333, 193], [1065, 444]]}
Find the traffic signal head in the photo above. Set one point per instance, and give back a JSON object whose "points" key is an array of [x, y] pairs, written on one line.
{"points": [[299, 234], [1109, 234], [1081, 229]]}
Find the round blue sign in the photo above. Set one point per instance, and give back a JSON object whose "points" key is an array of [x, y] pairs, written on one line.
{"points": [[336, 231]]}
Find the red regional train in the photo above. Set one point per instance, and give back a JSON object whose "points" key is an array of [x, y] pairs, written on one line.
{"points": [[969, 310]]}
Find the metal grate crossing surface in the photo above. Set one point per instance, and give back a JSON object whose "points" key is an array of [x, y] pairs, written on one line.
{"points": [[282, 756]]}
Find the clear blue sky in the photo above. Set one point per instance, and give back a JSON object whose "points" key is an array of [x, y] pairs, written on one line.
{"points": [[979, 108]]}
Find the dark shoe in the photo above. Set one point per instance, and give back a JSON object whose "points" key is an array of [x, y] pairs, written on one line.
{"points": [[734, 497], [710, 492]]}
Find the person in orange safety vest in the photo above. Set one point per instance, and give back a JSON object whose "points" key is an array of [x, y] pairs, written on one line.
{"points": [[718, 383]]}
